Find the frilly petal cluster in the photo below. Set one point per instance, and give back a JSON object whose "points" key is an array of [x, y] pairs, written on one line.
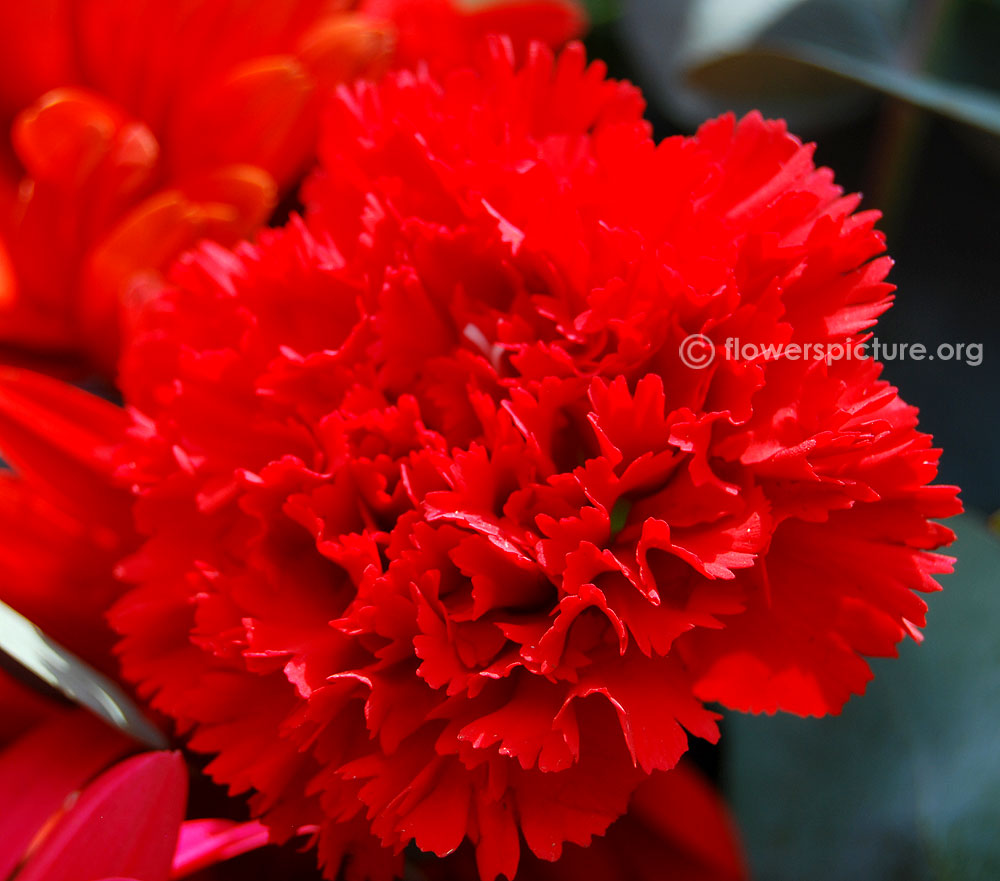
{"points": [[445, 541]]}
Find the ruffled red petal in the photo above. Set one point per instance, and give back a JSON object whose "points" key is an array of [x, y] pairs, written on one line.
{"points": [[445, 543]]}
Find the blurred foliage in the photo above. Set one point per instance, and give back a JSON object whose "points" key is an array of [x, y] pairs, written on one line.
{"points": [[969, 44], [906, 783], [817, 62], [602, 11]]}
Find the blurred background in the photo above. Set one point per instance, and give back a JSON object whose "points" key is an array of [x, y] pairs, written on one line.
{"points": [[902, 98]]}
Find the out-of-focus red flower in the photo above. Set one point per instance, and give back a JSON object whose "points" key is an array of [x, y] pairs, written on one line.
{"points": [[64, 522], [446, 33], [22, 708], [446, 543], [139, 128], [58, 823], [676, 828]]}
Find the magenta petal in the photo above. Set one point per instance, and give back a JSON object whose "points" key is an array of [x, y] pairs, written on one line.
{"points": [[42, 768], [125, 824], [205, 842]]}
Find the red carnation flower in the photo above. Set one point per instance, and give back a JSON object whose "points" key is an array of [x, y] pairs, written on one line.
{"points": [[139, 128], [65, 523], [136, 130], [445, 541]]}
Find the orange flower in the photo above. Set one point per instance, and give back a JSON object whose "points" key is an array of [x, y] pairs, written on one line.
{"points": [[139, 128]]}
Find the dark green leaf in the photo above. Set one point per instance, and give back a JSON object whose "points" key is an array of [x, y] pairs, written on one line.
{"points": [[602, 11], [812, 62], [778, 61]]}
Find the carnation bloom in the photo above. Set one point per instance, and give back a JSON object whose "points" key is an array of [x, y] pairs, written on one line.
{"points": [[139, 128], [445, 541]]}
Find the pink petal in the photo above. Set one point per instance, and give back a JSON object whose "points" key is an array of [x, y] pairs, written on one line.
{"points": [[205, 842], [125, 824], [41, 769]]}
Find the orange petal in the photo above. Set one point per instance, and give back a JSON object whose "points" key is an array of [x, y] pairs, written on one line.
{"points": [[63, 136], [261, 113], [225, 204], [345, 47], [250, 193], [145, 239], [8, 282], [88, 161]]}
